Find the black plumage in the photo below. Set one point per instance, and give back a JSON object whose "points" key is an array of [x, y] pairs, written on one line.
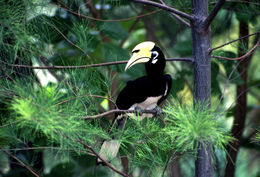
{"points": [[154, 84], [143, 93]]}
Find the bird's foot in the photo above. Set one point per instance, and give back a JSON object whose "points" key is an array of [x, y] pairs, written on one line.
{"points": [[157, 111], [139, 111]]}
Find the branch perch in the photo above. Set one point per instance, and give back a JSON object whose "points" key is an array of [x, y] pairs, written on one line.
{"points": [[84, 66], [250, 52], [213, 14], [64, 7], [234, 41], [117, 111], [98, 156], [177, 16], [165, 7], [20, 162]]}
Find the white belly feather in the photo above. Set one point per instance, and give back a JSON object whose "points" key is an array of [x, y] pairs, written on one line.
{"points": [[148, 104]]}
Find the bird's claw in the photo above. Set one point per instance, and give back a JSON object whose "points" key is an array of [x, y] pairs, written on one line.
{"points": [[139, 111], [157, 111]]}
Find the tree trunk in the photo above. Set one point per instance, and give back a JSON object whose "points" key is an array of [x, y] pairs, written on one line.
{"points": [[202, 78], [241, 103]]}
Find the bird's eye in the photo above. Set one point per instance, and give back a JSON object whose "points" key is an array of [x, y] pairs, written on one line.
{"points": [[154, 57], [135, 51], [154, 54]]}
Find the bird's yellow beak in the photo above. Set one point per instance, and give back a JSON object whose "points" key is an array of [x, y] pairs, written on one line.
{"points": [[141, 54]]}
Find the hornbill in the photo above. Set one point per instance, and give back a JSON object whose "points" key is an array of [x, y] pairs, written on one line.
{"points": [[144, 93]]}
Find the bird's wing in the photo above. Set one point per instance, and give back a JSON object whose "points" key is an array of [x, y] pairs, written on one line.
{"points": [[134, 92], [140, 89], [168, 80]]}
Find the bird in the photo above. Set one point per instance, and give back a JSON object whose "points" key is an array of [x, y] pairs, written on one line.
{"points": [[143, 93]]}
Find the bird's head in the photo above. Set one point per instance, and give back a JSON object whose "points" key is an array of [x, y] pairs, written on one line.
{"points": [[148, 53]]}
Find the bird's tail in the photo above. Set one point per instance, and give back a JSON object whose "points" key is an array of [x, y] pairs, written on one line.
{"points": [[108, 151]]}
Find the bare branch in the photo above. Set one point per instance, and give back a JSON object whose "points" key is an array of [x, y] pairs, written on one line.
{"points": [[20, 162], [250, 52], [98, 156], [181, 59], [103, 20], [117, 111], [85, 66], [177, 16], [165, 7], [239, 1], [213, 14], [69, 41], [234, 41]]}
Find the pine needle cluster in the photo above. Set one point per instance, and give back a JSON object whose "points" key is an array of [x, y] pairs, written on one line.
{"points": [[56, 111], [188, 125], [152, 142]]}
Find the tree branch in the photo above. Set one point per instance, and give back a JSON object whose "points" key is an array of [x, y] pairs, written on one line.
{"points": [[64, 7], [165, 7], [117, 111], [212, 14], [98, 156], [177, 16], [250, 52], [234, 41], [20, 162], [85, 66]]}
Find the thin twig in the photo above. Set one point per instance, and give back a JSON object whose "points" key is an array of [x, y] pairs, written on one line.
{"points": [[84, 105], [20, 162], [165, 7], [98, 156], [234, 41], [238, 1], [46, 147], [166, 165], [103, 20], [245, 91], [69, 41], [14, 122], [250, 52], [213, 14], [117, 111], [227, 81], [97, 96], [85, 66], [177, 16], [226, 84]]}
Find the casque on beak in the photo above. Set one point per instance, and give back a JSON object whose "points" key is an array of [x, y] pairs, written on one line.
{"points": [[142, 53], [140, 57]]}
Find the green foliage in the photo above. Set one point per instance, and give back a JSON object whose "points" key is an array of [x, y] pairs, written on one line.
{"points": [[146, 144], [113, 30], [56, 111], [230, 66], [149, 143], [258, 136], [190, 124], [32, 114]]}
